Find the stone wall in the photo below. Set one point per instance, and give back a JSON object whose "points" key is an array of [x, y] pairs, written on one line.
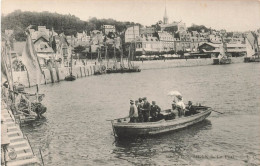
{"points": [[51, 75]]}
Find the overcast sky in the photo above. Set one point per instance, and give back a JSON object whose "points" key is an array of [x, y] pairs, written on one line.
{"points": [[232, 15]]}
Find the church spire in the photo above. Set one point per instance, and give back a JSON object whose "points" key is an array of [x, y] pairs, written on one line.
{"points": [[165, 17]]}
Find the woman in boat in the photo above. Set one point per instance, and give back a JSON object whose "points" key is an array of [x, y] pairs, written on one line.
{"points": [[180, 106]]}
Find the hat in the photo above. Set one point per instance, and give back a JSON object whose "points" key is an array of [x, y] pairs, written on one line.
{"points": [[131, 101], [179, 96], [153, 102], [144, 98]]}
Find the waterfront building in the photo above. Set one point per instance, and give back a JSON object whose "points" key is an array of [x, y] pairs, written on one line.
{"points": [[214, 48], [166, 41], [215, 38], [44, 50], [132, 33], [63, 49], [182, 45], [108, 28], [148, 44], [147, 31]]}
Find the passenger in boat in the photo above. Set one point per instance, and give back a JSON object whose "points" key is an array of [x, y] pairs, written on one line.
{"points": [[146, 110], [180, 106], [155, 111], [140, 112], [133, 113], [190, 110], [173, 112]]}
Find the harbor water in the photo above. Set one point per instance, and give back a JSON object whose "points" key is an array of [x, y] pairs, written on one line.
{"points": [[76, 130]]}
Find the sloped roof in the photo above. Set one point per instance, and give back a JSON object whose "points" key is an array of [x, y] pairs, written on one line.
{"points": [[41, 37]]}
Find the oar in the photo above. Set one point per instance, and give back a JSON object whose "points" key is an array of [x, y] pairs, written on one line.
{"points": [[117, 118], [218, 112], [211, 109]]}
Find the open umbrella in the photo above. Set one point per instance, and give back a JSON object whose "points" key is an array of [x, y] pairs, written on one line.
{"points": [[174, 93]]}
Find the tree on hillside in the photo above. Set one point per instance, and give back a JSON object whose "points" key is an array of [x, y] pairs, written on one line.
{"points": [[67, 24]]}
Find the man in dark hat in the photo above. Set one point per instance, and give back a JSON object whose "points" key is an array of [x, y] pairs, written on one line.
{"points": [[139, 106], [190, 109], [133, 113], [146, 110], [155, 111]]}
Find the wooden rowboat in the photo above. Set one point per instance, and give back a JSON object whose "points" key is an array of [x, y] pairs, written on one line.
{"points": [[122, 128]]}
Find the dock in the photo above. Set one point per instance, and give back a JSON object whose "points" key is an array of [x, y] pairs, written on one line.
{"points": [[15, 146]]}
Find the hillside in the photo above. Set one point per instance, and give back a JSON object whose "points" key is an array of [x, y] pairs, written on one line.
{"points": [[69, 24]]}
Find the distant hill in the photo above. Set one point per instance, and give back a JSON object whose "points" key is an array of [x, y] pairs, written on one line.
{"points": [[69, 24]]}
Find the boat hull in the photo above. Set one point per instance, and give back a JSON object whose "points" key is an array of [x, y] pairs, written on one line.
{"points": [[221, 61], [123, 71], [248, 59], [124, 129], [70, 78]]}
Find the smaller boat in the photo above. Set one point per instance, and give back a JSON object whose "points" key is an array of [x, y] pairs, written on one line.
{"points": [[18, 87], [252, 48], [122, 127], [70, 77], [223, 58]]}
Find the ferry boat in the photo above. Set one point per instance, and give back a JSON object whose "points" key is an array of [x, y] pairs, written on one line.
{"points": [[122, 128]]}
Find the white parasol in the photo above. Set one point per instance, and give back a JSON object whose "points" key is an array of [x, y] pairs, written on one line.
{"points": [[174, 93]]}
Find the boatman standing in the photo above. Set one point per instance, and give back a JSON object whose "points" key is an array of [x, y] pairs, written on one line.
{"points": [[146, 110], [133, 112]]}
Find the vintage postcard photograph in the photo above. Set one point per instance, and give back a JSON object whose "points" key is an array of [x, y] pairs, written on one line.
{"points": [[130, 82]]}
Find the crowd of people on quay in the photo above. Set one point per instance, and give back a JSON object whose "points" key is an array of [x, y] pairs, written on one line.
{"points": [[142, 111]]}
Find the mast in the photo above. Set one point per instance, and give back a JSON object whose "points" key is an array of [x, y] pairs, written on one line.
{"points": [[107, 59], [71, 58], [134, 42], [10, 60], [115, 55], [129, 55]]}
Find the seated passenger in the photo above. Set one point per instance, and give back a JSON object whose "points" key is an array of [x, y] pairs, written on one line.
{"points": [[155, 111], [190, 109], [133, 113]]}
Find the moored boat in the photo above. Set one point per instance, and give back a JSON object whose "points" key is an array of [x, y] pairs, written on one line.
{"points": [[70, 78], [252, 48], [122, 128]]}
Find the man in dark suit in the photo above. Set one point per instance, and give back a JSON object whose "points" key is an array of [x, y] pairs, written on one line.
{"points": [[155, 111], [146, 110], [191, 109]]}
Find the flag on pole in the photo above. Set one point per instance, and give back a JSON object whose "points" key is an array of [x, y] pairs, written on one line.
{"points": [[31, 61]]}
